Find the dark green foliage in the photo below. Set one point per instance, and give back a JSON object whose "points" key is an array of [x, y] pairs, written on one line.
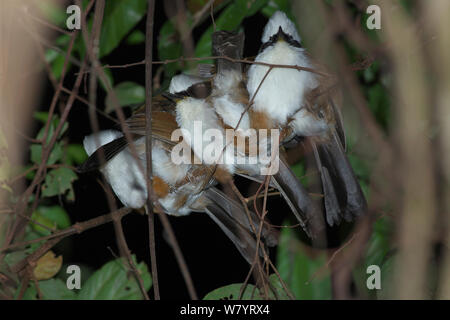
{"points": [[112, 281], [306, 275]]}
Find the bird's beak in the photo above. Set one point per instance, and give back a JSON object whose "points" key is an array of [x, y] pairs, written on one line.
{"points": [[281, 36], [174, 97]]}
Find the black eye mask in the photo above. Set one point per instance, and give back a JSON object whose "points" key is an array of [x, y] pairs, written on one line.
{"points": [[280, 34]]}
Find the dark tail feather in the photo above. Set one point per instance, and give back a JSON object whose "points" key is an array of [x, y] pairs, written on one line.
{"points": [[237, 212], [342, 193], [331, 203], [339, 124], [109, 150], [302, 205], [242, 239]]}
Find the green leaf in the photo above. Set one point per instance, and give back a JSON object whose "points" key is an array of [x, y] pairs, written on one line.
{"points": [[30, 292], [307, 277], [109, 79], [32, 234], [120, 17], [56, 58], [379, 103], [379, 244], [47, 266], [169, 48], [36, 149], [56, 214], [281, 294], [58, 182], [52, 289], [231, 292], [56, 289], [14, 257], [298, 169], [387, 281], [21, 170], [369, 74], [136, 37], [300, 172], [127, 93], [42, 117], [114, 282], [51, 55], [75, 154], [377, 253], [55, 154], [362, 172], [36, 153], [275, 5], [230, 19], [42, 221]]}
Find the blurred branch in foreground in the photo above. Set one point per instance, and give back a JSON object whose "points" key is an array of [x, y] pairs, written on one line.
{"points": [[20, 88], [438, 24], [416, 199]]}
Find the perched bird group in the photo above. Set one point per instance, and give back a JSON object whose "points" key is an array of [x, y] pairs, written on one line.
{"points": [[270, 95]]}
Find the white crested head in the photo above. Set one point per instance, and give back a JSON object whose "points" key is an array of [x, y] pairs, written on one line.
{"points": [[182, 82], [279, 19]]}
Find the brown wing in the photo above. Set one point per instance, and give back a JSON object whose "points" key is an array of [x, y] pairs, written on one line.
{"points": [[325, 99], [163, 120], [163, 124]]}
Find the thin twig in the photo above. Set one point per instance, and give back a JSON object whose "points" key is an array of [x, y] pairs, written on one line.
{"points": [[179, 256], [87, 104], [148, 142], [330, 260], [246, 61], [38, 290], [76, 228], [125, 251], [211, 13], [46, 23], [201, 13], [58, 236], [92, 45]]}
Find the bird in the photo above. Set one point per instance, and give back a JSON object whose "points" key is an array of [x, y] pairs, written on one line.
{"points": [[275, 95], [282, 92], [298, 103], [180, 188], [233, 108]]}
